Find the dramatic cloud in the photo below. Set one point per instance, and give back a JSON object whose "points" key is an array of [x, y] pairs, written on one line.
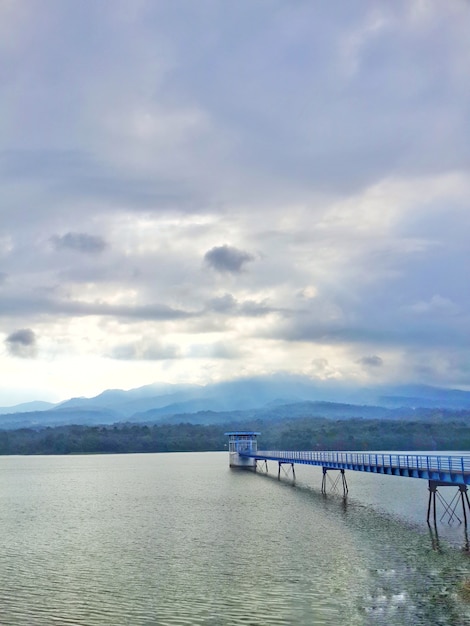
{"points": [[79, 242], [227, 259], [289, 193], [22, 343]]}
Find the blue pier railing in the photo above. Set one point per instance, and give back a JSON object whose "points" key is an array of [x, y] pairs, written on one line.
{"points": [[444, 468]]}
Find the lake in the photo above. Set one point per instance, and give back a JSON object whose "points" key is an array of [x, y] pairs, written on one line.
{"points": [[180, 539]]}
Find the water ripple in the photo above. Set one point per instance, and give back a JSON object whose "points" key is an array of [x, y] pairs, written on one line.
{"points": [[178, 540]]}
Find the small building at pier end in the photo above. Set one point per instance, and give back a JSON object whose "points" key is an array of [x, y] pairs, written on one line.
{"points": [[242, 441]]}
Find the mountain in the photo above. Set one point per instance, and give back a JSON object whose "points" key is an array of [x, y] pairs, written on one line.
{"points": [[126, 403], [36, 405], [425, 396], [264, 397], [55, 417]]}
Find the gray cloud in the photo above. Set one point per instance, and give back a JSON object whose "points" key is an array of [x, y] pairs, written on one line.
{"points": [[220, 350], [145, 350], [55, 306], [223, 304], [230, 306], [370, 361], [376, 326], [227, 259], [79, 242], [47, 179], [22, 343]]}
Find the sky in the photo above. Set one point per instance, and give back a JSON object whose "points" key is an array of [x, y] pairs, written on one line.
{"points": [[199, 191]]}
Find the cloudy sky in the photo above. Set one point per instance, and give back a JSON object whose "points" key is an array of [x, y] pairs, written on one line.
{"points": [[196, 191]]}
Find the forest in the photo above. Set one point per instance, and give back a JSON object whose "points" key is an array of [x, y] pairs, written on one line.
{"points": [[296, 434]]}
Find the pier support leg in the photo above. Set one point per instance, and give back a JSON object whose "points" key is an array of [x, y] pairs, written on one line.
{"points": [[281, 464], [463, 507], [450, 508], [334, 483], [434, 538]]}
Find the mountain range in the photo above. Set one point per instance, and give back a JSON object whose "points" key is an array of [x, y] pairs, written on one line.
{"points": [[265, 398]]}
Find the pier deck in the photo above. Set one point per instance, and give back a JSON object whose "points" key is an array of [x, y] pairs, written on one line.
{"points": [[443, 468]]}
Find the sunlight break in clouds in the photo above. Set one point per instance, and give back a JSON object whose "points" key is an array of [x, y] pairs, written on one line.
{"points": [[200, 191]]}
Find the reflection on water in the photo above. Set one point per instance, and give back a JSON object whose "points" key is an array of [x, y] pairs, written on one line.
{"points": [[180, 539], [435, 541]]}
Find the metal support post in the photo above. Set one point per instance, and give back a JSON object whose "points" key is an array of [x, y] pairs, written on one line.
{"points": [[450, 508], [334, 483], [281, 464]]}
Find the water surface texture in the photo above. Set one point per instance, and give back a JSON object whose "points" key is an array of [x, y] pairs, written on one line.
{"points": [[180, 539]]}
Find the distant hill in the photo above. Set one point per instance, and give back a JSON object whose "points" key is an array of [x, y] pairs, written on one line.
{"points": [[126, 403], [425, 396], [275, 397], [36, 405], [58, 417], [330, 411]]}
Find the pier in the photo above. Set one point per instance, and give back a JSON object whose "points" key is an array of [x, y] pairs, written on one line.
{"points": [[439, 470]]}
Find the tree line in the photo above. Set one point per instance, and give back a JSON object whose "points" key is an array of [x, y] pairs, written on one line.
{"points": [[298, 434]]}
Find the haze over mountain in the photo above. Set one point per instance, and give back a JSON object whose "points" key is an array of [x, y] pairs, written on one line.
{"points": [[261, 397], [37, 405]]}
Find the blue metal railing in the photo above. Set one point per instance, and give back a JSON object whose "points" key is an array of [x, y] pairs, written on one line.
{"points": [[447, 463], [447, 468]]}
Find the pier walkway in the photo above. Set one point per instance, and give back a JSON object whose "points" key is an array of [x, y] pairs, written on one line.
{"points": [[444, 468], [440, 470]]}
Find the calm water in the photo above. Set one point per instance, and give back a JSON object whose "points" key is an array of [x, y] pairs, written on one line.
{"points": [[180, 539]]}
